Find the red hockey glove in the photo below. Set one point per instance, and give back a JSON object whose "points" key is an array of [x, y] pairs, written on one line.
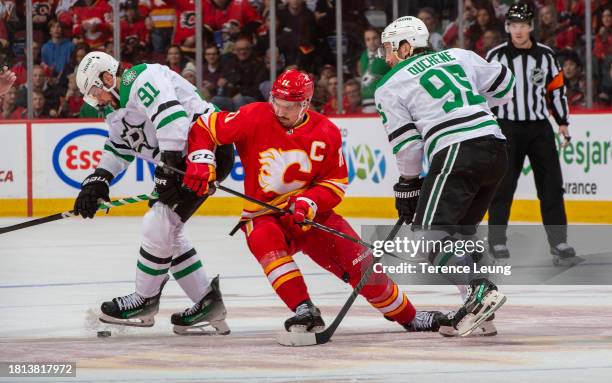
{"points": [[201, 171], [301, 208]]}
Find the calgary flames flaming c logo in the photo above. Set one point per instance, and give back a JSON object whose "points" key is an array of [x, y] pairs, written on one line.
{"points": [[274, 164]]}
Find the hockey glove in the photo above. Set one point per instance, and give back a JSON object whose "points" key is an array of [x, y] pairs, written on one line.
{"points": [[406, 197], [167, 183], [93, 188], [201, 171], [300, 209]]}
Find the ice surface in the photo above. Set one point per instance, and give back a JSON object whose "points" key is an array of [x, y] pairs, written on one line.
{"points": [[53, 278]]}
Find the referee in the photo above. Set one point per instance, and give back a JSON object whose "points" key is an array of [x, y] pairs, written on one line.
{"points": [[524, 122]]}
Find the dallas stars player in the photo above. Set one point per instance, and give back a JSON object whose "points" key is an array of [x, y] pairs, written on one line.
{"points": [[149, 110], [437, 106]]}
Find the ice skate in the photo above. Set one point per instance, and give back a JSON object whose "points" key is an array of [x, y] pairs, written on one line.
{"points": [[499, 251], [564, 255], [486, 328], [307, 319], [207, 317], [482, 301], [425, 321], [132, 310]]}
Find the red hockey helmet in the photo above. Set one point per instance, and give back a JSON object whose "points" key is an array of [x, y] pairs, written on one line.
{"points": [[293, 85]]}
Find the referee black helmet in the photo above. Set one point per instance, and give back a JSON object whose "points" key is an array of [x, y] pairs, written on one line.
{"points": [[519, 13]]}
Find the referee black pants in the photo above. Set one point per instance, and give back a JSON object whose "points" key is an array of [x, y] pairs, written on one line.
{"points": [[460, 184], [536, 140]]}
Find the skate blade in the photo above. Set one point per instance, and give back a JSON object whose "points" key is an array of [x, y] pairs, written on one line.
{"points": [[487, 328], [491, 303], [133, 322], [213, 328]]}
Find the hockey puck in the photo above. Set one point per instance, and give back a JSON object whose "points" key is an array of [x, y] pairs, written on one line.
{"points": [[104, 334]]}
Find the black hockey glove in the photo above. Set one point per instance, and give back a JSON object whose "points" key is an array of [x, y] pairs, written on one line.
{"points": [[406, 197], [94, 187], [167, 183]]}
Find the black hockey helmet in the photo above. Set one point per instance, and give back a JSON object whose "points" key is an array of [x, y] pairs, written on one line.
{"points": [[519, 13]]}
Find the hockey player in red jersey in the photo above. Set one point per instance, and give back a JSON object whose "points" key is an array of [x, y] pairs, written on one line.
{"points": [[293, 159]]}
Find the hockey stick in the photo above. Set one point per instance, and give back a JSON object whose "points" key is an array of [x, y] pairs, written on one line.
{"points": [[311, 339], [70, 213]]}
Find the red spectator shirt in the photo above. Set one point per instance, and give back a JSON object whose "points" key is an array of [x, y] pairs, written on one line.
{"points": [[185, 21], [136, 29], [278, 162], [239, 10], [99, 14]]}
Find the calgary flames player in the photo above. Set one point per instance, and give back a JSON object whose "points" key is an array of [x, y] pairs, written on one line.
{"points": [[292, 159]]}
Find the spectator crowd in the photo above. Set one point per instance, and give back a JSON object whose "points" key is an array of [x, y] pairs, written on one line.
{"points": [[237, 54]]}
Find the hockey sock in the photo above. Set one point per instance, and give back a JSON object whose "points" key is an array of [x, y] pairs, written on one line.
{"points": [[393, 303], [285, 278], [187, 270], [150, 273]]}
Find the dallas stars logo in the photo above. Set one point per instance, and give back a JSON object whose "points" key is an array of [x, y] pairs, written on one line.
{"points": [[135, 136], [128, 77]]}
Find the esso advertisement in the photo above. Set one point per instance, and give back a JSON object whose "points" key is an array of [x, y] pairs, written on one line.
{"points": [[64, 154], [586, 163], [13, 161]]}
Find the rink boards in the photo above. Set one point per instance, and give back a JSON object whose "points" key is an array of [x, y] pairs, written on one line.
{"points": [[42, 163]]}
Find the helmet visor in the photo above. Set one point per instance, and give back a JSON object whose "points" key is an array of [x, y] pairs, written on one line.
{"points": [[283, 107]]}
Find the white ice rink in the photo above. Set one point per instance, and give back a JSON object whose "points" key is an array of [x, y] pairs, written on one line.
{"points": [[53, 277]]}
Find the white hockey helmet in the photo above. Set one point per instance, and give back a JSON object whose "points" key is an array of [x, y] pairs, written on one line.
{"points": [[406, 28], [90, 71]]}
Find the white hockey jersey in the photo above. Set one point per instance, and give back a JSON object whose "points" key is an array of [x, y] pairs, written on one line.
{"points": [[433, 100], [165, 98], [157, 107]]}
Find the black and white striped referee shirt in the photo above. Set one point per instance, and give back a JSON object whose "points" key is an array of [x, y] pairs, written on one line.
{"points": [[539, 83]]}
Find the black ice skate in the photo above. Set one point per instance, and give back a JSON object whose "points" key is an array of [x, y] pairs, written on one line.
{"points": [[425, 321], [564, 255], [307, 318], [210, 311], [499, 251], [132, 310], [482, 301]]}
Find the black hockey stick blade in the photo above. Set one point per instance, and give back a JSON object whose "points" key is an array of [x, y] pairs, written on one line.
{"points": [[298, 339]]}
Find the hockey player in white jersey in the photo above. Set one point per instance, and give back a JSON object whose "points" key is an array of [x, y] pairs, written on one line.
{"points": [[149, 110], [435, 107]]}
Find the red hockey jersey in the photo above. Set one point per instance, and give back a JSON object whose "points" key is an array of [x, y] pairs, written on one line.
{"points": [[278, 162]]}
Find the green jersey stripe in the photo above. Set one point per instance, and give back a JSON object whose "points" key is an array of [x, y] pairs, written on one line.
{"points": [[124, 157], [503, 92], [433, 143], [399, 146], [170, 118]]}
